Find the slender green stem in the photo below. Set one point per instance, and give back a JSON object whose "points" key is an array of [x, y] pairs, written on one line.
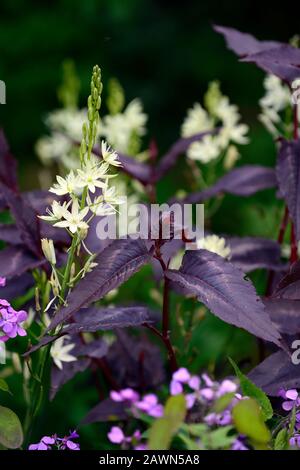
{"points": [[68, 269]]}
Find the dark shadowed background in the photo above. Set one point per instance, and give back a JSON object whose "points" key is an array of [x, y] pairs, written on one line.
{"points": [[164, 52]]}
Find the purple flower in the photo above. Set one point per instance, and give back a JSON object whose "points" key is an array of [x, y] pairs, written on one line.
{"points": [[150, 405], [64, 443], [238, 445], [10, 321], [293, 399], [116, 435], [127, 394], [2, 281], [45, 444], [219, 419], [180, 377]]}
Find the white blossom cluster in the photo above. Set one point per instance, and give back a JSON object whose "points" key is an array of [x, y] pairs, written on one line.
{"points": [[215, 244], [274, 104], [65, 126], [219, 113], [94, 174]]}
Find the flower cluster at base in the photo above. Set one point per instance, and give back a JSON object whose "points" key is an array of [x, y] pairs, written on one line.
{"points": [[200, 392], [57, 443], [292, 402], [10, 320]]}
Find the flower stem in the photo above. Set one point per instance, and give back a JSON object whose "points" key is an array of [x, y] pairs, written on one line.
{"points": [[68, 269]]}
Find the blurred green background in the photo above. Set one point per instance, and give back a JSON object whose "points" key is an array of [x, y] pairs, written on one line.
{"points": [[164, 52]]}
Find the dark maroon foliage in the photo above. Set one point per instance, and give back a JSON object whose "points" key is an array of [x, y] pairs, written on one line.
{"points": [[288, 176], [117, 263], [223, 289]]}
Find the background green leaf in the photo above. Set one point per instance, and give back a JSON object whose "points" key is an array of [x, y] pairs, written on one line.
{"points": [[249, 389], [11, 434]]}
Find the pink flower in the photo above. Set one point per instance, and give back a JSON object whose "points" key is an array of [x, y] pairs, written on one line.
{"points": [[2, 281]]}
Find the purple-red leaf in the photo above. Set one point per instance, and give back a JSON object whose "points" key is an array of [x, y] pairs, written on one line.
{"points": [[283, 61], [10, 234], [17, 287], [243, 43], [136, 361], [251, 253], [285, 314], [107, 410], [14, 261], [276, 372], [223, 289], [26, 221], [243, 181], [288, 176], [110, 318], [8, 165], [116, 263], [61, 376]]}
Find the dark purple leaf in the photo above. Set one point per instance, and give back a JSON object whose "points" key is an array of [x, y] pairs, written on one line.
{"points": [[116, 263], [8, 165], [289, 286], [26, 221], [251, 253], [15, 261], [288, 176], [136, 362], [10, 234], [43, 342], [283, 61], [243, 43], [40, 200], [17, 286], [177, 149], [285, 314], [110, 318], [243, 181], [223, 289], [95, 349], [138, 170], [276, 372], [107, 410], [59, 377]]}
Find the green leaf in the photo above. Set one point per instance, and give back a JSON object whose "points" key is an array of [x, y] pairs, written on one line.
{"points": [[163, 429], [292, 422], [11, 434], [190, 444], [175, 411], [249, 420], [3, 386], [251, 390], [223, 402], [282, 440], [197, 429], [219, 438], [160, 435]]}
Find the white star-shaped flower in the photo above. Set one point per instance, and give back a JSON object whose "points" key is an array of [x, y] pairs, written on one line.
{"points": [[56, 212], [60, 352], [109, 155], [74, 219], [68, 185]]}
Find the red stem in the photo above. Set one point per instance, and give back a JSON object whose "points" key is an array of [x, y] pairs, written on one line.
{"points": [[168, 345]]}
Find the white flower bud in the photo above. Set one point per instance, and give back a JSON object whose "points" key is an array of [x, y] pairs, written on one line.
{"points": [[48, 250]]}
